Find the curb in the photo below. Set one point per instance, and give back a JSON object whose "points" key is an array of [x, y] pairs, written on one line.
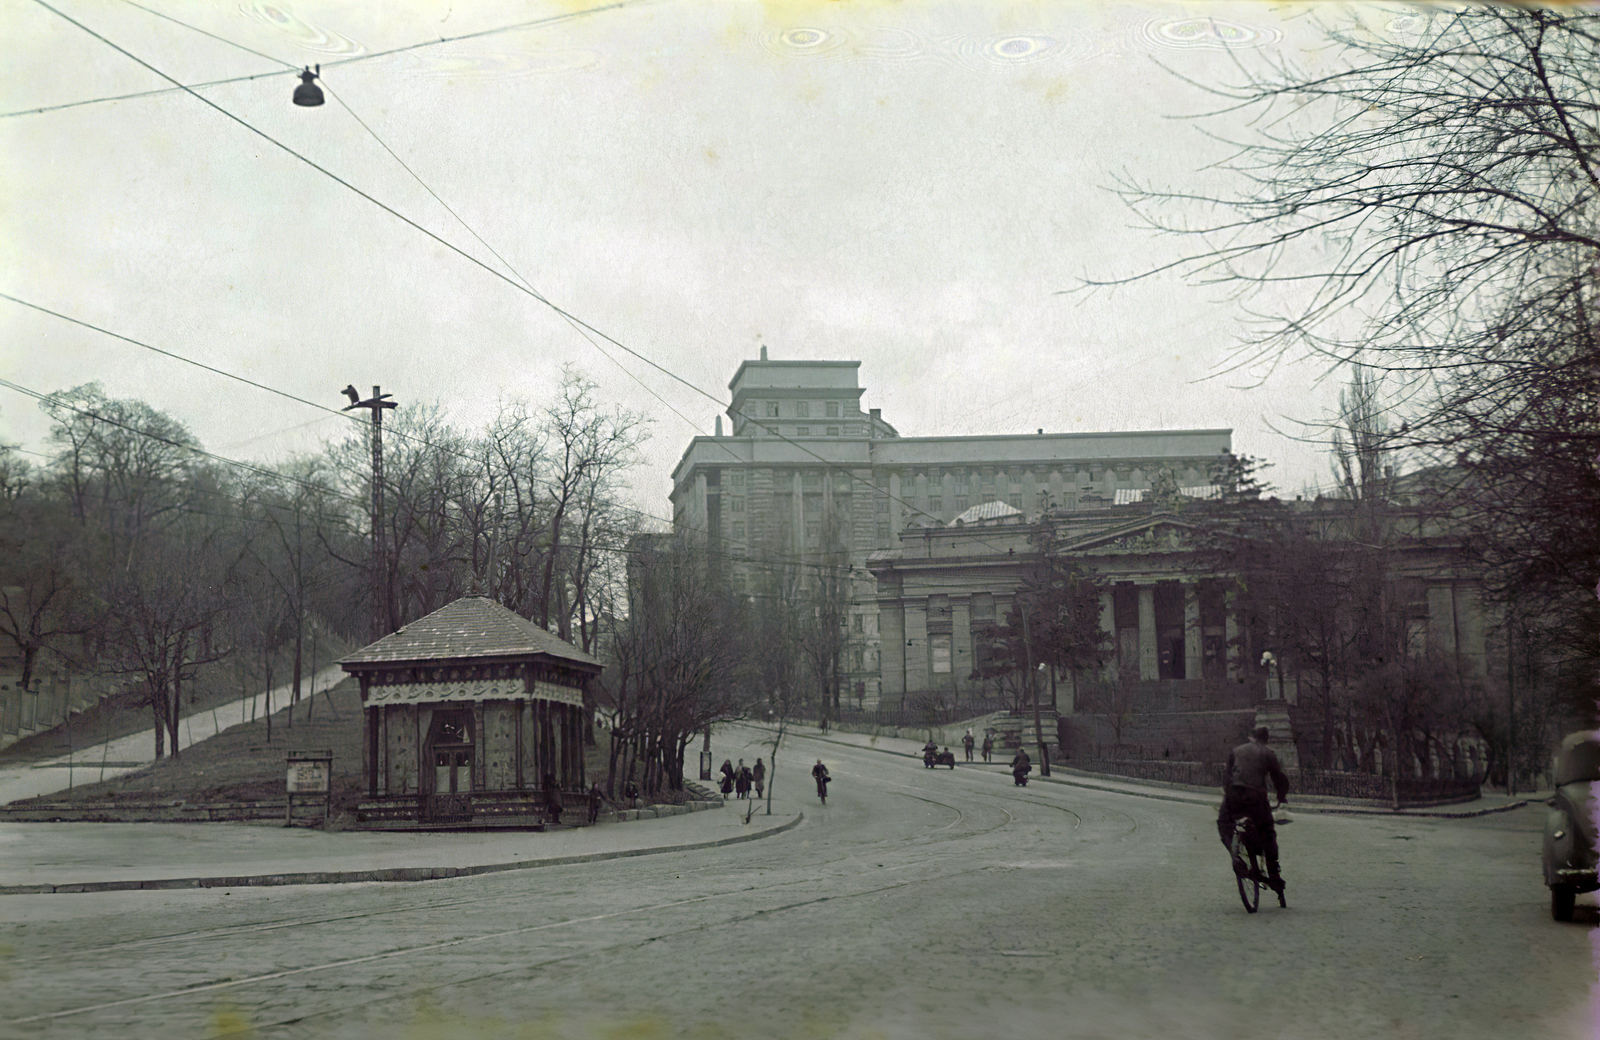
{"points": [[345, 877]]}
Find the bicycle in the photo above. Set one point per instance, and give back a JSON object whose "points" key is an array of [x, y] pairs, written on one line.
{"points": [[822, 786], [1245, 851]]}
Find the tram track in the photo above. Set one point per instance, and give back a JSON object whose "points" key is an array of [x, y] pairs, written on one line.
{"points": [[842, 860], [406, 907], [421, 948]]}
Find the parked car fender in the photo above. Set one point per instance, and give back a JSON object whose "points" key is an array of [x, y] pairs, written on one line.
{"points": [[1570, 857]]}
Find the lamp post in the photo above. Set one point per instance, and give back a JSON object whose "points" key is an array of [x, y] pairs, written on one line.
{"points": [[1033, 690], [1269, 661], [380, 565]]}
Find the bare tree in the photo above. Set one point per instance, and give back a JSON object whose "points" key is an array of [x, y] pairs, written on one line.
{"points": [[164, 612], [678, 671], [588, 448], [1427, 207], [45, 600]]}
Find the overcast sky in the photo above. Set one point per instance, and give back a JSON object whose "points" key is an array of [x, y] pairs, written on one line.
{"points": [[913, 185]]}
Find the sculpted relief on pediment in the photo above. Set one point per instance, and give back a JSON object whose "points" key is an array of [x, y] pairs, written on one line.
{"points": [[1161, 538]]}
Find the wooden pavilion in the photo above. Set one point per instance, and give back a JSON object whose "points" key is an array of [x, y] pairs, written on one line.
{"points": [[472, 712]]}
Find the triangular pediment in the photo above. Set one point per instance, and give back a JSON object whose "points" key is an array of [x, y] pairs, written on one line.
{"points": [[1150, 534]]}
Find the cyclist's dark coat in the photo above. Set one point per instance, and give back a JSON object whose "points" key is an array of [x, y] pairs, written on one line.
{"points": [[1250, 765], [1244, 793]]}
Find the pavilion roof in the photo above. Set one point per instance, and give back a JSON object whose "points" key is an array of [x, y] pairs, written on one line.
{"points": [[473, 626]]}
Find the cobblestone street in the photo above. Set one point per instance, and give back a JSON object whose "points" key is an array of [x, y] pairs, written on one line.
{"points": [[915, 903]]}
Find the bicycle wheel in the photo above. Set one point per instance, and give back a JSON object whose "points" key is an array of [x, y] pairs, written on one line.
{"points": [[1246, 873]]}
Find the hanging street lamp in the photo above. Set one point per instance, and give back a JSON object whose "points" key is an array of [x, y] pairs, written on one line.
{"points": [[308, 94]]}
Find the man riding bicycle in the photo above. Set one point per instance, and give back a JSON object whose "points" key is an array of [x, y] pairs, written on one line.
{"points": [[820, 773], [1244, 793]]}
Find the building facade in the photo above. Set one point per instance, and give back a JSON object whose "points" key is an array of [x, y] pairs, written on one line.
{"points": [[809, 479], [1183, 636]]}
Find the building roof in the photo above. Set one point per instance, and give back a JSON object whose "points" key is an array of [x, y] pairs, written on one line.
{"points": [[1128, 496], [473, 626], [987, 512]]}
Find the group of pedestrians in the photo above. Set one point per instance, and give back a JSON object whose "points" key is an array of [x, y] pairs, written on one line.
{"points": [[968, 742], [740, 780]]}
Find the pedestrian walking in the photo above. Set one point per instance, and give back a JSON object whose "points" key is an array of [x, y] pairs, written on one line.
{"points": [[727, 777], [758, 776], [596, 796], [988, 745], [966, 744], [742, 780]]}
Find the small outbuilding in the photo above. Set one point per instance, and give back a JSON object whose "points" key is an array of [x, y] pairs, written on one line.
{"points": [[474, 718]]}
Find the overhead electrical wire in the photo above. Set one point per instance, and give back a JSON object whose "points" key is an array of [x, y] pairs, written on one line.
{"points": [[334, 63], [568, 316], [56, 401]]}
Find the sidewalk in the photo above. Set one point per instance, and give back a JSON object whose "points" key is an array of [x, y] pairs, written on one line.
{"points": [[100, 857], [1489, 802], [114, 758]]}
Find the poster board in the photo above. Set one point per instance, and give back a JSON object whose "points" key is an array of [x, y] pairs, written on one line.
{"points": [[310, 778]]}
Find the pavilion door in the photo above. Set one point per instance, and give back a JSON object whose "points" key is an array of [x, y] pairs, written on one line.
{"points": [[449, 753], [452, 769]]}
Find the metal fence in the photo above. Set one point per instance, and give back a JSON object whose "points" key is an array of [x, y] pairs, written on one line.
{"points": [[1411, 790]]}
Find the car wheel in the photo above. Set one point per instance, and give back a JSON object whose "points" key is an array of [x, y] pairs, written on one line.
{"points": [[1562, 898]]}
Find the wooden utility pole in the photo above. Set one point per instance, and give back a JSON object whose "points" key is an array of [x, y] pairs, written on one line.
{"points": [[382, 623]]}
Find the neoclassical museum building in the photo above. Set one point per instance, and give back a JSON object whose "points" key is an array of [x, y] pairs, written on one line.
{"points": [[1168, 573], [805, 473], [933, 537]]}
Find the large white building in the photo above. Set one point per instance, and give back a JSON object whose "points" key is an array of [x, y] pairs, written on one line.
{"points": [[808, 475]]}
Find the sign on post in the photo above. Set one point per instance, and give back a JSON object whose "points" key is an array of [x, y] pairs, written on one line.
{"points": [[310, 776]]}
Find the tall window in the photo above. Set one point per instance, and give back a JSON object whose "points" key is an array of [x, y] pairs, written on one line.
{"points": [[833, 409], [772, 409], [802, 409], [736, 530], [939, 653]]}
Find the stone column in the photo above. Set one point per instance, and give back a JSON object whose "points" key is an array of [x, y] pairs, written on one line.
{"points": [[1193, 649], [1230, 630], [962, 653], [916, 648], [1149, 656], [1108, 625]]}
